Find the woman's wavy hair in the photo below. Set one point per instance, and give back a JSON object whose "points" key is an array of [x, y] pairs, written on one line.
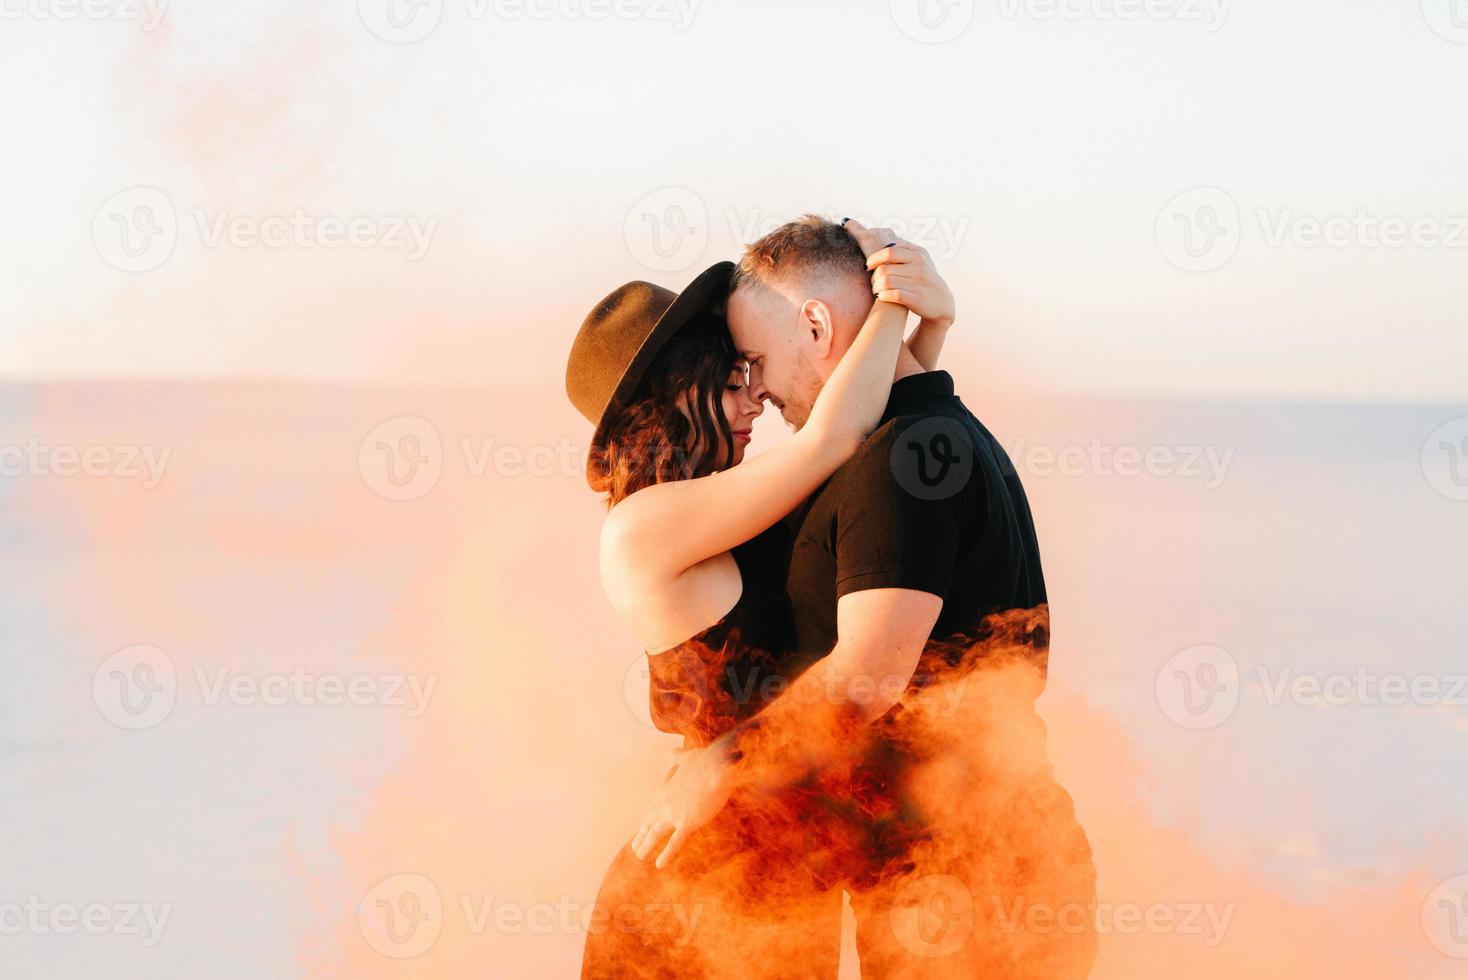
{"points": [[673, 427]]}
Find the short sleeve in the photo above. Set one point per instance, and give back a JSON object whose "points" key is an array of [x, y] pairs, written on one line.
{"points": [[891, 536]]}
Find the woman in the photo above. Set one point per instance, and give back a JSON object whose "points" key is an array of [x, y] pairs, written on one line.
{"points": [[687, 557]]}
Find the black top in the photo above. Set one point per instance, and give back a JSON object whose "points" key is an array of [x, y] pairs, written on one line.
{"points": [[930, 502], [724, 674]]}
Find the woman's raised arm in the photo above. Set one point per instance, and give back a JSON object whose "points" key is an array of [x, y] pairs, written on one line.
{"points": [[663, 530]]}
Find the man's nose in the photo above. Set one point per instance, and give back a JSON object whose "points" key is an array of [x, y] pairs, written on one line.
{"points": [[755, 407], [757, 389]]}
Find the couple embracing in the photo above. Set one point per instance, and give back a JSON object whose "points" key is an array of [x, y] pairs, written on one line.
{"points": [[848, 630]]}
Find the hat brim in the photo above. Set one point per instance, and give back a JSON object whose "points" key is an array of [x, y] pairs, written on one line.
{"points": [[693, 300]]}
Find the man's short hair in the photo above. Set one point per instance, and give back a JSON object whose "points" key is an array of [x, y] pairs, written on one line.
{"points": [[810, 245]]}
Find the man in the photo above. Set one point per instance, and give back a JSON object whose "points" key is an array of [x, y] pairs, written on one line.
{"points": [[920, 608]]}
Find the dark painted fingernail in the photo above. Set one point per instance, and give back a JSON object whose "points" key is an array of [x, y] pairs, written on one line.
{"points": [[843, 222]]}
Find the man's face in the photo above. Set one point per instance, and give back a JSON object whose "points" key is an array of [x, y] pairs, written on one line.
{"points": [[768, 333]]}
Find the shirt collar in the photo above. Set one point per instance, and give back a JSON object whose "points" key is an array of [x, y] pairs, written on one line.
{"points": [[910, 392]]}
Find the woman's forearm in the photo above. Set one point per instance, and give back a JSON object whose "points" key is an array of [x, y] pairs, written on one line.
{"points": [[852, 401], [926, 342]]}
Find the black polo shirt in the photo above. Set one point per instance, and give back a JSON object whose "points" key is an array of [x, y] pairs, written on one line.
{"points": [[930, 502]]}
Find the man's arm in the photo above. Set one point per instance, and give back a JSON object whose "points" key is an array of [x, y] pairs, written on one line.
{"points": [[881, 633], [896, 553]]}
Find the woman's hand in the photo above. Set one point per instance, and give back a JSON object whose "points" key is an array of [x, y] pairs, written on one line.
{"points": [[903, 273], [692, 796]]}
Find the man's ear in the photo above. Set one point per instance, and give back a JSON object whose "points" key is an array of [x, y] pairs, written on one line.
{"points": [[818, 327]]}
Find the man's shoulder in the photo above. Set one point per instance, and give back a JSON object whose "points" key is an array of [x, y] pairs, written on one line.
{"points": [[874, 453], [938, 451], [903, 450], [920, 424]]}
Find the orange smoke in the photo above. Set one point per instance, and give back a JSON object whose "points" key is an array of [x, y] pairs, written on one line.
{"points": [[511, 795]]}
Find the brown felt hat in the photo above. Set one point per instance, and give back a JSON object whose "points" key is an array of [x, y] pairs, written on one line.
{"points": [[622, 336]]}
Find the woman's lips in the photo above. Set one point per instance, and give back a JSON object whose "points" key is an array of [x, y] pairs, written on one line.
{"points": [[743, 435]]}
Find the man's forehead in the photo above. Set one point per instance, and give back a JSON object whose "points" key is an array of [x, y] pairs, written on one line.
{"points": [[739, 313], [745, 309]]}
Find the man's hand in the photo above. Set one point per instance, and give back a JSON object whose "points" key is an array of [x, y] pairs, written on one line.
{"points": [[694, 795], [903, 273]]}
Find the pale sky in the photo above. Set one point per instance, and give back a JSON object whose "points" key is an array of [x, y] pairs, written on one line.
{"points": [[512, 165]]}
